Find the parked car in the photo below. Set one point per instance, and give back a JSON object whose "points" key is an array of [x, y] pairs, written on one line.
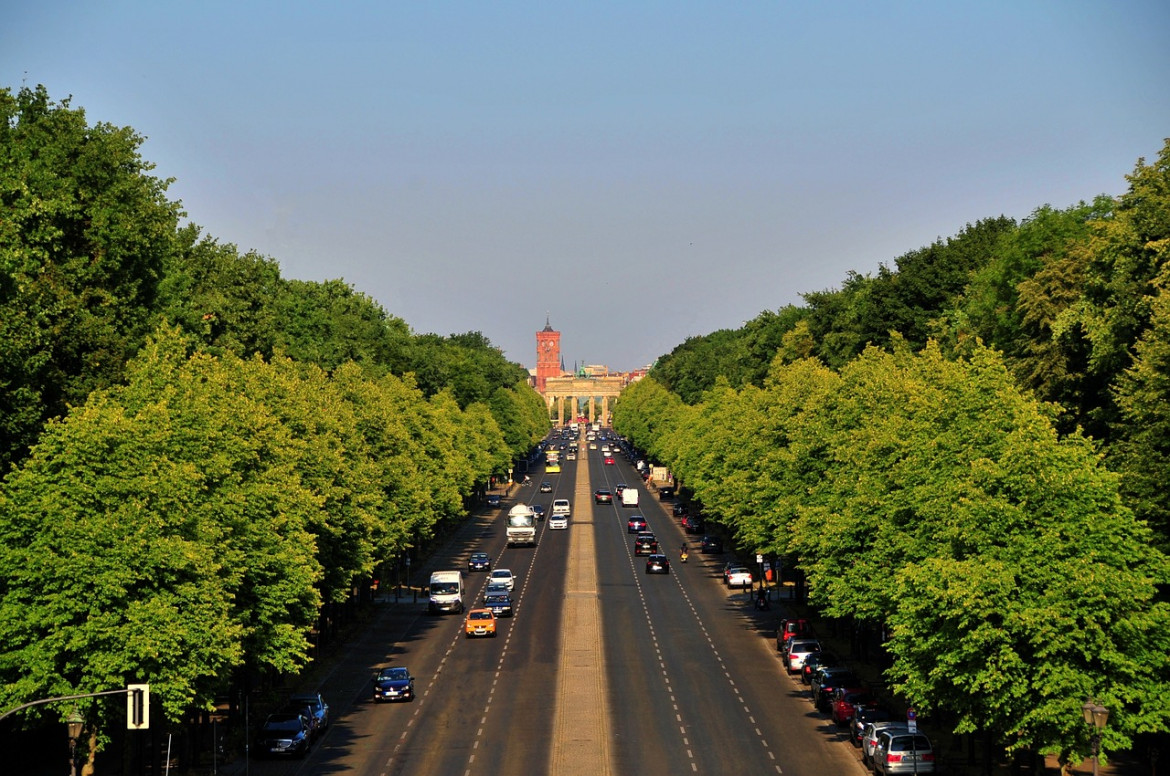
{"points": [[792, 627], [738, 576], [827, 680], [679, 509], [657, 564], [903, 752], [711, 544], [665, 493], [493, 500], [846, 701], [869, 737], [393, 684], [286, 733], [796, 651], [864, 715], [814, 661], [312, 706], [692, 524]]}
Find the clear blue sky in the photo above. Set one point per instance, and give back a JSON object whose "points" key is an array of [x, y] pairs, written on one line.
{"points": [[642, 172]]}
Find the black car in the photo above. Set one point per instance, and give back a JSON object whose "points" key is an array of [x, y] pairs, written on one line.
{"points": [[679, 509], [479, 561], [645, 544], [546, 487], [313, 706], [493, 500], [286, 733], [602, 496], [665, 493], [393, 684], [500, 603], [862, 716], [814, 661], [657, 564], [538, 510], [826, 681], [711, 544], [636, 524], [692, 524]]}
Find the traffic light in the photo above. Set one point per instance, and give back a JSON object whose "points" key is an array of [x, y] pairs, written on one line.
{"points": [[137, 706]]}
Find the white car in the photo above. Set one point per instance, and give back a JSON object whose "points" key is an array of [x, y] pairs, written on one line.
{"points": [[736, 577], [558, 522], [503, 577]]}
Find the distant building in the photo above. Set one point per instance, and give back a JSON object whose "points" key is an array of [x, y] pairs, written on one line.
{"points": [[548, 355]]}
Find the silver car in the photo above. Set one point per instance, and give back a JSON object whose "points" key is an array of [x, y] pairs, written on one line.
{"points": [[869, 737], [798, 650], [900, 751]]}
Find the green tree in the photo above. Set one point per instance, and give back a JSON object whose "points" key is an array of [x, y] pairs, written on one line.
{"points": [[84, 234]]}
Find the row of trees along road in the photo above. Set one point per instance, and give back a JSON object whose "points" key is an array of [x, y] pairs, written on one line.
{"points": [[968, 449], [200, 454]]}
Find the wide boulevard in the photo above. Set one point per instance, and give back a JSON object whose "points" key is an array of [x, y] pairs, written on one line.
{"points": [[604, 669]]}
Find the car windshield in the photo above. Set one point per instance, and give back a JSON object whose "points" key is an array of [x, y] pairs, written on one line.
{"points": [[479, 616], [284, 724], [444, 588], [908, 743], [395, 674]]}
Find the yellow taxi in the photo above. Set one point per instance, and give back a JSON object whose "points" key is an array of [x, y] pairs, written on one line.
{"points": [[480, 622]]}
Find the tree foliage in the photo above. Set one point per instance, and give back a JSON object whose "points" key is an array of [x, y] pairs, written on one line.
{"points": [[930, 495], [84, 234]]}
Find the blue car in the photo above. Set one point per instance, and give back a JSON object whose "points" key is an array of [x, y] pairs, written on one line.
{"points": [[393, 684], [500, 603], [479, 561]]}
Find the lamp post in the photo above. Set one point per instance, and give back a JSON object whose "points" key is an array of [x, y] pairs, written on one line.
{"points": [[1096, 716], [74, 723]]}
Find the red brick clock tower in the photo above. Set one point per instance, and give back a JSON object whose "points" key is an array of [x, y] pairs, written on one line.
{"points": [[548, 355]]}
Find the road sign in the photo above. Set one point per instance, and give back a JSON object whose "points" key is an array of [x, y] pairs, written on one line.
{"points": [[912, 720], [759, 558]]}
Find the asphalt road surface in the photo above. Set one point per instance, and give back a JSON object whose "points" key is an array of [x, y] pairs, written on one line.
{"points": [[603, 669]]}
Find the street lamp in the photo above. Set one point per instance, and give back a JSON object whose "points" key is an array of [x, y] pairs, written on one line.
{"points": [[1096, 716], [74, 723]]}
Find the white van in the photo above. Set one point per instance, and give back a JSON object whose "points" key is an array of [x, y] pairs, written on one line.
{"points": [[630, 497], [560, 507], [445, 592]]}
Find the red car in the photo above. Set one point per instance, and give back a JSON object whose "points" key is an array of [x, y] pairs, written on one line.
{"points": [[845, 703], [609, 460]]}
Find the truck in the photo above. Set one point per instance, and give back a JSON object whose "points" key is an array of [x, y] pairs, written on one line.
{"points": [[445, 592], [521, 526], [629, 497]]}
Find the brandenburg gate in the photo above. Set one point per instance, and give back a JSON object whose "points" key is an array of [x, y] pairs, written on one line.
{"points": [[574, 389]]}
